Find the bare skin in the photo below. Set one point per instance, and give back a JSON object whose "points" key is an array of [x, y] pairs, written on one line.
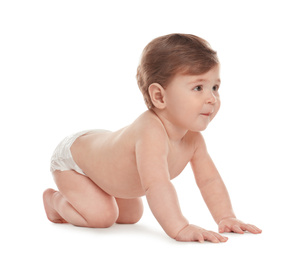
{"points": [[142, 159]]}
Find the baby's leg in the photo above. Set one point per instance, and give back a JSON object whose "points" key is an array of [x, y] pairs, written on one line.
{"points": [[130, 210], [79, 201]]}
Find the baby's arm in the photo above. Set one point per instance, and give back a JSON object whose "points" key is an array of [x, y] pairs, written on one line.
{"points": [[215, 193], [151, 157]]}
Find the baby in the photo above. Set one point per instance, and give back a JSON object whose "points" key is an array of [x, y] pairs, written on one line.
{"points": [[101, 175]]}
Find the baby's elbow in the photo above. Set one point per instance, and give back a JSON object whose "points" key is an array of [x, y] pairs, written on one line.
{"points": [[157, 185], [202, 184]]}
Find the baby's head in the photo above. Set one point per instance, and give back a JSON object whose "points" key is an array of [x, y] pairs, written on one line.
{"points": [[168, 55]]}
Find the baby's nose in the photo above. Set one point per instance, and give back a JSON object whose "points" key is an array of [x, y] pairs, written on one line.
{"points": [[211, 98]]}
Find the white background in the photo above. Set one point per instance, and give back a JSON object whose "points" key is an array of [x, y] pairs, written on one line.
{"points": [[67, 66]]}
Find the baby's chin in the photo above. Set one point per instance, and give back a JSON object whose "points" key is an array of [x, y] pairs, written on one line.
{"points": [[200, 128]]}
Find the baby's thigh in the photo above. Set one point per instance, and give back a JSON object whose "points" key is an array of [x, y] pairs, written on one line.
{"points": [[130, 210], [97, 207]]}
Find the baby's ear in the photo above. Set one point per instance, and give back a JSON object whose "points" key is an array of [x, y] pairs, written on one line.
{"points": [[157, 94]]}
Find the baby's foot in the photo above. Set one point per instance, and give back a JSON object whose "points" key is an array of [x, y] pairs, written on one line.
{"points": [[51, 213]]}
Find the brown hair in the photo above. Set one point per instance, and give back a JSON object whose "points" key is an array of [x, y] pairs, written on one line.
{"points": [[168, 55]]}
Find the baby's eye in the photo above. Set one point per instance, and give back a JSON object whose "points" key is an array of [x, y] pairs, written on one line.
{"points": [[198, 88], [215, 88]]}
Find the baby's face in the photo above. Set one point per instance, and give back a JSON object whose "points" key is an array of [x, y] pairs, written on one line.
{"points": [[193, 101]]}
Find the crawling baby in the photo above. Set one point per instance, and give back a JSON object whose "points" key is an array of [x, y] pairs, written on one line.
{"points": [[102, 175]]}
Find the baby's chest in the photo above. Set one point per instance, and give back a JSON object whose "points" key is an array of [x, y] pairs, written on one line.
{"points": [[177, 161]]}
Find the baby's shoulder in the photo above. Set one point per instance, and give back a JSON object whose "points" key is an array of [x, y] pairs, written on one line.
{"points": [[148, 120], [148, 125]]}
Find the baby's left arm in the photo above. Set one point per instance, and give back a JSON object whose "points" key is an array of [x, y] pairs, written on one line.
{"points": [[214, 191]]}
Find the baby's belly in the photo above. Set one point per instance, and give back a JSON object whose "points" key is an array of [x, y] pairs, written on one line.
{"points": [[109, 164], [118, 184]]}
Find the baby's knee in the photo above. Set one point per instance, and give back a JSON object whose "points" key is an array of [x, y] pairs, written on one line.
{"points": [[136, 216], [130, 211], [104, 219]]}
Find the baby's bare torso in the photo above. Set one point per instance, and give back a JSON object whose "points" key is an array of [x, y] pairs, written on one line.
{"points": [[108, 159]]}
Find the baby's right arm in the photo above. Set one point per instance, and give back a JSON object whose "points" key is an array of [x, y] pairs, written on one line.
{"points": [[151, 156]]}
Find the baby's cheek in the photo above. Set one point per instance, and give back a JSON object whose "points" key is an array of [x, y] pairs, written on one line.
{"points": [[215, 112], [217, 106]]}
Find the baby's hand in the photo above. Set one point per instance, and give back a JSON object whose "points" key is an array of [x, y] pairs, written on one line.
{"points": [[236, 226], [194, 233]]}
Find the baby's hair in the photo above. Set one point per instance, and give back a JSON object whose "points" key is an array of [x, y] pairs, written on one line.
{"points": [[168, 55]]}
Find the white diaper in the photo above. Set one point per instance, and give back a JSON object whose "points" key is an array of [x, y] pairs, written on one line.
{"points": [[62, 158]]}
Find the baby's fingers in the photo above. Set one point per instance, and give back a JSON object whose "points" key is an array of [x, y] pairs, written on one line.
{"points": [[223, 229], [214, 237], [237, 229], [251, 228], [220, 237]]}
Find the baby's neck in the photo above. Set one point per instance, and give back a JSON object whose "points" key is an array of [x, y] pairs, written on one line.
{"points": [[175, 133]]}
